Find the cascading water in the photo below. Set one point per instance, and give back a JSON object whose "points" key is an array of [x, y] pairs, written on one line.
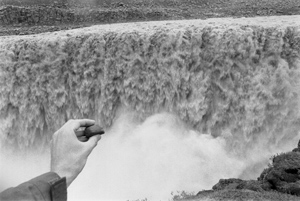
{"points": [[156, 87]]}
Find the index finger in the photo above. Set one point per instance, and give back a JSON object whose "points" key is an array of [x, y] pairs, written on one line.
{"points": [[82, 123]]}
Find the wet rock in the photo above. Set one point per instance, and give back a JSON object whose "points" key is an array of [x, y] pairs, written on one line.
{"points": [[298, 148], [284, 174], [226, 184], [39, 15]]}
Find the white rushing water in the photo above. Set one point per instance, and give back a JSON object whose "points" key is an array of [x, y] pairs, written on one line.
{"points": [[203, 99]]}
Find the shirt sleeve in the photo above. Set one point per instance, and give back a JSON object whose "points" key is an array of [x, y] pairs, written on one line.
{"points": [[46, 187]]}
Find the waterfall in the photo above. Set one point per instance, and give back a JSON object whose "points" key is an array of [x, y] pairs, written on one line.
{"points": [[234, 79]]}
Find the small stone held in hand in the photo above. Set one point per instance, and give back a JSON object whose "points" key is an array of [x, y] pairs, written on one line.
{"points": [[93, 130]]}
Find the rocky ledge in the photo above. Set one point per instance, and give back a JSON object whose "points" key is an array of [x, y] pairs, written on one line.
{"points": [[56, 15], [15, 15], [280, 181]]}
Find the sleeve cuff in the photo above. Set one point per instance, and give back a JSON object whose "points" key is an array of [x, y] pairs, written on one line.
{"points": [[51, 186], [58, 189]]}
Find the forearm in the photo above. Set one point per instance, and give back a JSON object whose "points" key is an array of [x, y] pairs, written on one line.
{"points": [[47, 187]]}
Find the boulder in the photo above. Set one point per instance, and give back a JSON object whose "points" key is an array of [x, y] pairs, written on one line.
{"points": [[226, 184], [284, 174], [298, 148]]}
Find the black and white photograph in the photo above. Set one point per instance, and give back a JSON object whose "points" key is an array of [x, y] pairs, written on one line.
{"points": [[149, 100]]}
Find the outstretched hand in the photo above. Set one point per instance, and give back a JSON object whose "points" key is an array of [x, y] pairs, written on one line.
{"points": [[68, 153]]}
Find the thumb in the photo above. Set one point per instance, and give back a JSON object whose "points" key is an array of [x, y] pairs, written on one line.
{"points": [[92, 142]]}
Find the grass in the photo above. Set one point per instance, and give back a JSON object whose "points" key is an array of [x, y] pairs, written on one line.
{"points": [[242, 195]]}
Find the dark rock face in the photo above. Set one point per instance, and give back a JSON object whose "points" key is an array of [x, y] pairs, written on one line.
{"points": [[298, 148], [226, 184], [42, 15], [282, 176], [57, 14]]}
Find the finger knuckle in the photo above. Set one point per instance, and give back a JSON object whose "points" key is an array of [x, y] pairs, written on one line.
{"points": [[70, 121]]}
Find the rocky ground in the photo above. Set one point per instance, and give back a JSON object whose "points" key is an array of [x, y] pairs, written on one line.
{"points": [[279, 181], [37, 16]]}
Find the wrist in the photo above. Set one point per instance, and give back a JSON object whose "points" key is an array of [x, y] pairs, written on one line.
{"points": [[63, 173], [67, 176]]}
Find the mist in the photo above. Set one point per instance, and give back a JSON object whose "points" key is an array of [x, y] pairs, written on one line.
{"points": [[17, 167], [152, 159], [144, 159]]}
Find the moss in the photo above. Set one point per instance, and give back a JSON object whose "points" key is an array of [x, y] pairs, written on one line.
{"points": [[287, 161], [227, 195]]}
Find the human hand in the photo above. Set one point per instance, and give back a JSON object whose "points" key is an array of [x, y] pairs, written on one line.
{"points": [[68, 154]]}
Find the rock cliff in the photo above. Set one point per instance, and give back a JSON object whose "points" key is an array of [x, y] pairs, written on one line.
{"points": [[282, 176]]}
